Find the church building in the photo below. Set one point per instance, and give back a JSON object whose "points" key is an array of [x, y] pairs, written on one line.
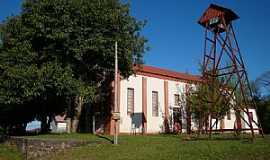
{"points": [[152, 101]]}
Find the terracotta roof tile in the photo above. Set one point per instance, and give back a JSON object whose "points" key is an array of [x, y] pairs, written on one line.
{"points": [[150, 70]]}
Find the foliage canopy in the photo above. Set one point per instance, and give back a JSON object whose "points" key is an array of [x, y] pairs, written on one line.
{"points": [[64, 48]]}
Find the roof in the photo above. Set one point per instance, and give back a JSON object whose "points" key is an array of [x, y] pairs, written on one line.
{"points": [[166, 74], [217, 11], [60, 118]]}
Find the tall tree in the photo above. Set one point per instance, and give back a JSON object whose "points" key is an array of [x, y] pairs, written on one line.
{"points": [[263, 82], [261, 88], [65, 48]]}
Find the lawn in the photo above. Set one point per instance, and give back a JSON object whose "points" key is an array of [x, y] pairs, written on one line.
{"points": [[71, 136], [170, 147], [158, 147], [9, 153]]}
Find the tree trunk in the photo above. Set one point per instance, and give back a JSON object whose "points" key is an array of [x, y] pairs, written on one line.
{"points": [[216, 124], [45, 123], [200, 124], [188, 119], [78, 104], [207, 123], [68, 127], [210, 127]]}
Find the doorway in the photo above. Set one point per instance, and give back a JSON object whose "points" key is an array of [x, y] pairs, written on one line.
{"points": [[177, 120]]}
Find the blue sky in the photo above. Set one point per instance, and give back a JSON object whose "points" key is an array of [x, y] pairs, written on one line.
{"points": [[176, 40]]}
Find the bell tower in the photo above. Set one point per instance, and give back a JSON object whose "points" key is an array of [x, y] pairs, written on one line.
{"points": [[223, 62]]}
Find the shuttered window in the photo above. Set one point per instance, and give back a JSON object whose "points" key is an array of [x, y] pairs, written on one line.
{"points": [[176, 100], [154, 104], [130, 100]]}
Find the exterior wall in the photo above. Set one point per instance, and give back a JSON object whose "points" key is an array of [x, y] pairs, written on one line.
{"points": [[228, 124], [155, 124], [255, 118], [143, 121], [134, 124], [129, 123], [58, 127], [175, 88]]}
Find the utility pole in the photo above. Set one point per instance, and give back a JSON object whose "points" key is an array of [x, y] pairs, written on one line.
{"points": [[116, 115]]}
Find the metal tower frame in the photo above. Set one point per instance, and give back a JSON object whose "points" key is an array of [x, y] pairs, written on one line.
{"points": [[222, 61]]}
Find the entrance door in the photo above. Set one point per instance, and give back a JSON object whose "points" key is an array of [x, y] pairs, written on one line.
{"points": [[177, 120]]}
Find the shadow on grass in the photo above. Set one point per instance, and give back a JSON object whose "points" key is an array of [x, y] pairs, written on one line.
{"points": [[104, 137], [3, 139], [244, 139]]}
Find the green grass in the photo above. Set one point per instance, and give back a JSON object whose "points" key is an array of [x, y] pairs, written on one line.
{"points": [[158, 147], [72, 136], [169, 147], [9, 153]]}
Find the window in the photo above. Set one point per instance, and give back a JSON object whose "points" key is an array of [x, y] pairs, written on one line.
{"points": [[250, 115], [130, 100], [176, 100], [154, 103], [229, 115]]}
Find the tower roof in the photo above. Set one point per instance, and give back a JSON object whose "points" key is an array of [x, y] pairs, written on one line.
{"points": [[214, 11]]}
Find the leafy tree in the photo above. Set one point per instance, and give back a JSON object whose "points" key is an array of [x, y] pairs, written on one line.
{"points": [[263, 111], [208, 102], [263, 82], [64, 49], [263, 105]]}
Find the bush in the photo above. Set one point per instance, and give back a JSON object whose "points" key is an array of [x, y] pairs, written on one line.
{"points": [[1, 131], [264, 114]]}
